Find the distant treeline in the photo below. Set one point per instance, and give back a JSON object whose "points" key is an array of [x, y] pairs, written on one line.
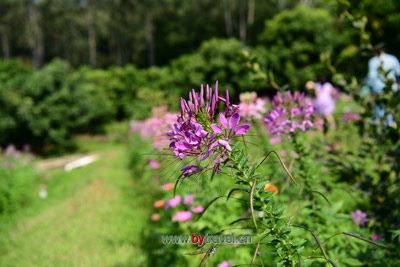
{"points": [[45, 107], [148, 32]]}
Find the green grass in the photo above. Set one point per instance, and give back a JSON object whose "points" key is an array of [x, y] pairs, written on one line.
{"points": [[92, 217]]}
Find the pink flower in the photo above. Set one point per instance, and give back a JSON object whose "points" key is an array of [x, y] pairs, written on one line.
{"points": [[189, 199], [376, 237], [155, 217], [182, 216], [153, 164], [155, 127], [250, 106], [225, 264], [275, 140], [290, 112], [173, 202], [359, 217], [198, 209], [167, 187]]}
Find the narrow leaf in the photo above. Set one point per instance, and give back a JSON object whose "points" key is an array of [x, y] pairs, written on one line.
{"points": [[282, 164], [365, 239], [234, 190], [208, 205], [239, 220], [322, 195]]}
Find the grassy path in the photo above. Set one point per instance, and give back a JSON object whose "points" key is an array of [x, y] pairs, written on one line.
{"points": [[91, 218]]}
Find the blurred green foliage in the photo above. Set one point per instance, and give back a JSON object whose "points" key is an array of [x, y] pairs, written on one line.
{"points": [[46, 107], [19, 183], [293, 49]]}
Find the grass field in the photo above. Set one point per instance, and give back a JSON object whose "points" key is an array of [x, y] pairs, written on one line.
{"points": [[93, 216]]}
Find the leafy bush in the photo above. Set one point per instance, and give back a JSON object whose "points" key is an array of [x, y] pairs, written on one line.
{"points": [[48, 106], [226, 60], [297, 208], [294, 41]]}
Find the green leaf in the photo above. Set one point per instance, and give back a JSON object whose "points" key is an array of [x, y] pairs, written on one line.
{"points": [[352, 262]]}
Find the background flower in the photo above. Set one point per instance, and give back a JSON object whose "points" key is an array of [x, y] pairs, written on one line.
{"points": [[359, 217], [290, 112], [182, 216]]}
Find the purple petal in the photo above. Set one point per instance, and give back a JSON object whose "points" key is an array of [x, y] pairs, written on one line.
{"points": [[225, 144], [227, 99], [213, 105], [182, 146], [216, 129], [182, 106], [242, 129], [201, 95], [207, 154], [196, 100], [223, 120], [234, 120], [212, 137]]}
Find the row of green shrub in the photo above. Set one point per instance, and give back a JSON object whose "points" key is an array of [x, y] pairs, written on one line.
{"points": [[46, 107]]}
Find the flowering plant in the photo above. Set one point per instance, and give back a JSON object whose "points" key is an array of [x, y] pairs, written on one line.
{"points": [[199, 133], [206, 133], [251, 107], [290, 112], [155, 127]]}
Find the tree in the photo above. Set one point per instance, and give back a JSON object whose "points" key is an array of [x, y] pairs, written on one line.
{"points": [[294, 41]]}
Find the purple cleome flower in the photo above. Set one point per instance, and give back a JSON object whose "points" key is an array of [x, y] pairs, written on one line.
{"points": [[359, 217], [289, 113], [199, 135]]}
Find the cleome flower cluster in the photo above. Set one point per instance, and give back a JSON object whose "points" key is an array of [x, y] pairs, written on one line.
{"points": [[290, 112], [201, 133]]}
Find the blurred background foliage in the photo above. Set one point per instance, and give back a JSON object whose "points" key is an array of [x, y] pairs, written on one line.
{"points": [[71, 66]]}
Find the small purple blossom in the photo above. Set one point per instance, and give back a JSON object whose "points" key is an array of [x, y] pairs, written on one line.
{"points": [[225, 264], [182, 216], [197, 209], [173, 202], [289, 113], [188, 200], [359, 217], [376, 237], [190, 169], [350, 117]]}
